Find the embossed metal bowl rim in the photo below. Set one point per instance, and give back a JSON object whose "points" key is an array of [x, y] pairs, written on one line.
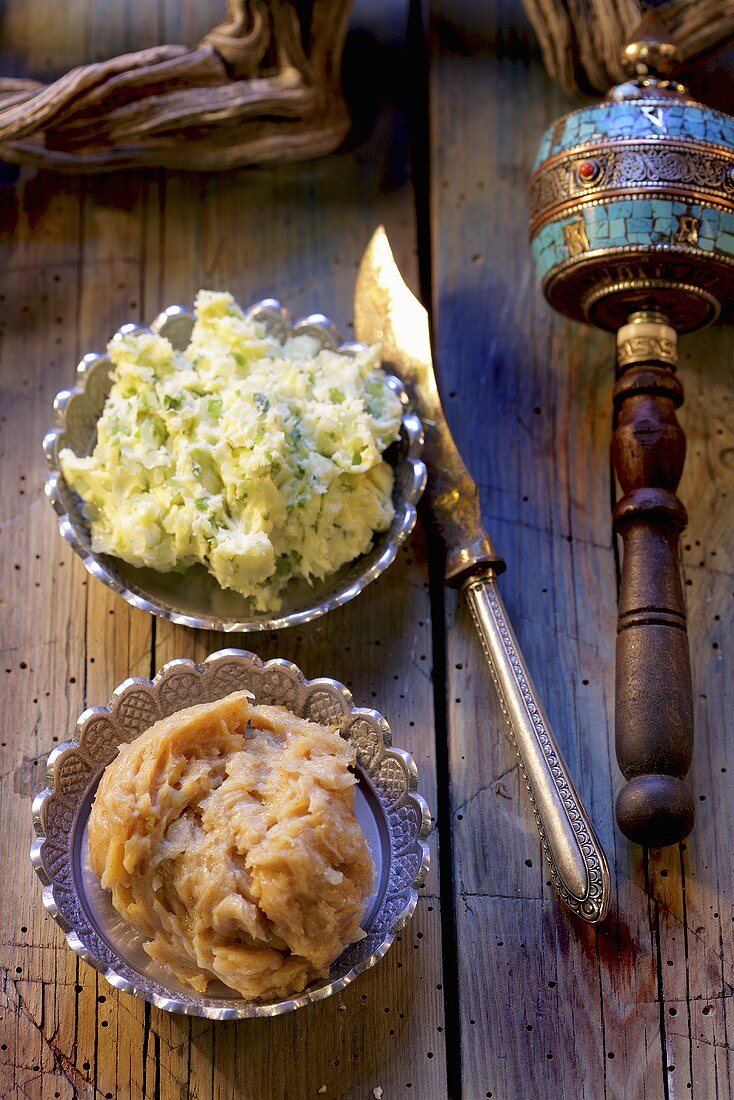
{"points": [[200, 1005], [278, 322]]}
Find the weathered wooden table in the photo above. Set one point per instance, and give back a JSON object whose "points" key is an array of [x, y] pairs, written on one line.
{"points": [[493, 990]]}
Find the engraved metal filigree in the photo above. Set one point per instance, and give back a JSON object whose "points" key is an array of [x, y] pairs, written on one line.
{"points": [[194, 598], [688, 229], [575, 236], [387, 776], [639, 169], [642, 349], [601, 286], [561, 820]]}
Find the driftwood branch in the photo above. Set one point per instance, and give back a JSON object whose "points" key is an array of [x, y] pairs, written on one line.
{"points": [[248, 93], [582, 40]]}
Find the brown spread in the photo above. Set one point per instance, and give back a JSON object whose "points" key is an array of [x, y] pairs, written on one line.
{"points": [[227, 836]]}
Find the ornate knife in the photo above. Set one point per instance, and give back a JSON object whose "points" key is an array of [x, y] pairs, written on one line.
{"points": [[386, 312]]}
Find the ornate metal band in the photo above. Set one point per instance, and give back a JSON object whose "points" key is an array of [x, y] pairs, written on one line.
{"points": [[688, 306], [601, 284], [680, 170], [646, 348]]}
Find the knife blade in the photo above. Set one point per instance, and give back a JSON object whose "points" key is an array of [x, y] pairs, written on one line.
{"points": [[387, 313]]}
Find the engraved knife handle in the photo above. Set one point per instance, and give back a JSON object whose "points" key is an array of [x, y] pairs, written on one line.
{"points": [[577, 862]]}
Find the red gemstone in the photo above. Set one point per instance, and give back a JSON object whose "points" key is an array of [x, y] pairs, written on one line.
{"points": [[588, 169]]}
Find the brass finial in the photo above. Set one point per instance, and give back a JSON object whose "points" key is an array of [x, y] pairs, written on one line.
{"points": [[650, 50]]}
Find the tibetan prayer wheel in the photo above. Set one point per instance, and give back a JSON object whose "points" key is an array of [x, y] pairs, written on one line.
{"points": [[632, 230]]}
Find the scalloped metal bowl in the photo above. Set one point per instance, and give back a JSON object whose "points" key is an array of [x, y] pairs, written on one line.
{"points": [[395, 819], [194, 598]]}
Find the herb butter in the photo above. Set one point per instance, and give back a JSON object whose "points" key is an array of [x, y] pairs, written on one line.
{"points": [[261, 460]]}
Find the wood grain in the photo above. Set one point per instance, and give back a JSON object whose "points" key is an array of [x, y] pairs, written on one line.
{"points": [[528, 1003], [654, 704], [264, 85], [639, 1007], [79, 259]]}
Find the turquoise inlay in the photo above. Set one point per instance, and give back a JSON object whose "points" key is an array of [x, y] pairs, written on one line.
{"points": [[620, 120], [709, 221], [649, 222], [545, 144]]}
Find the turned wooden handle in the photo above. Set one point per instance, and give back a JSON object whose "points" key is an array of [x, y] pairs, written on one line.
{"points": [[654, 705]]}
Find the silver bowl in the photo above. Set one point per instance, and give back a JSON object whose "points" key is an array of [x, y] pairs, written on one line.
{"points": [[194, 598], [394, 817]]}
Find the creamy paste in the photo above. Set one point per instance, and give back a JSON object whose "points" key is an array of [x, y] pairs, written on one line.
{"points": [[260, 460], [228, 838]]}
